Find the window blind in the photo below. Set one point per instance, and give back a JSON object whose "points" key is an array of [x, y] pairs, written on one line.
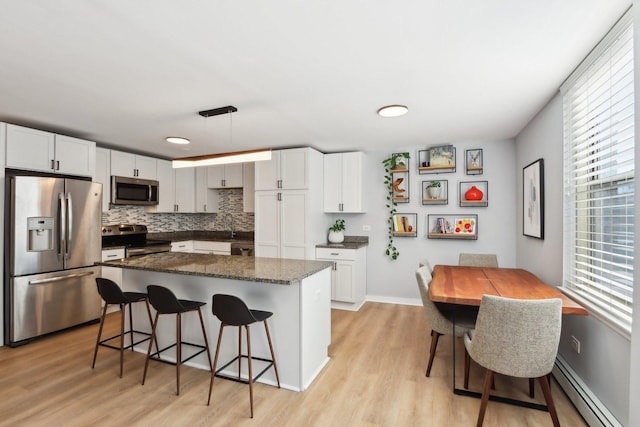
{"points": [[598, 109]]}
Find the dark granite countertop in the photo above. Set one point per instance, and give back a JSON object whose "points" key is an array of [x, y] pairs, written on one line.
{"points": [[215, 236], [350, 242], [255, 269]]}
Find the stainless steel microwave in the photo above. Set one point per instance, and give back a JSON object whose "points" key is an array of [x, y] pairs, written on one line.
{"points": [[133, 191]]}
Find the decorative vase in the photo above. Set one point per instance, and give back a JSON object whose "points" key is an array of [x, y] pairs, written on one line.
{"points": [[474, 193], [336, 236], [434, 192]]}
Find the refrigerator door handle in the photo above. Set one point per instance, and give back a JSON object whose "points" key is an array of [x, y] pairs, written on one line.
{"points": [[69, 223], [59, 278], [62, 225]]}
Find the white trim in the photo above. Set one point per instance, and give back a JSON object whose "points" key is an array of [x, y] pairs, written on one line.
{"points": [[594, 412], [597, 312]]}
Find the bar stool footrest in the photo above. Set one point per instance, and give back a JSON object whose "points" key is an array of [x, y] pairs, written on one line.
{"points": [[242, 380], [103, 343], [156, 355]]}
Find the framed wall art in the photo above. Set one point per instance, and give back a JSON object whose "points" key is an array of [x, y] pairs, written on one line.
{"points": [[473, 161], [533, 199]]}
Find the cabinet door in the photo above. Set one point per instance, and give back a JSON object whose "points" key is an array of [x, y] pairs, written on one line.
{"points": [[146, 167], [166, 187], [293, 224], [75, 156], [233, 175], [30, 149], [123, 164], [294, 168], [185, 189], [185, 246], [203, 200], [103, 175], [267, 224], [343, 281], [215, 176], [248, 187], [267, 172], [332, 183], [352, 182]]}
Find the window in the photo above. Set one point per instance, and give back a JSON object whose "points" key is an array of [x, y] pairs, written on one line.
{"points": [[598, 104]]}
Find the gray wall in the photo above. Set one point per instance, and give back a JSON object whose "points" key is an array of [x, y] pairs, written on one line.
{"points": [[603, 363], [394, 281]]}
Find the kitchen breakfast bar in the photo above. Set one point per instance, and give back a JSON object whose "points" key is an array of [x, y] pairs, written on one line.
{"points": [[298, 292]]}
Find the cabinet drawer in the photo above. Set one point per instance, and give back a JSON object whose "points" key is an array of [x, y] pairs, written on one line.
{"points": [[212, 247], [112, 254], [185, 246], [335, 253]]}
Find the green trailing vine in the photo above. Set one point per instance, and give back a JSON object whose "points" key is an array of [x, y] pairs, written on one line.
{"points": [[395, 161]]}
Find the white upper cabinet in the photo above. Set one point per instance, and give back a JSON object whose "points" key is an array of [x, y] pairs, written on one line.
{"points": [[225, 176], [166, 187], [103, 175], [249, 187], [287, 170], [206, 198], [343, 182], [185, 189], [133, 165], [37, 150]]}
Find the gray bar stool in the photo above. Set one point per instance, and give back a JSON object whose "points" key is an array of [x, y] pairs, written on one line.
{"points": [[113, 295], [165, 302], [232, 311]]}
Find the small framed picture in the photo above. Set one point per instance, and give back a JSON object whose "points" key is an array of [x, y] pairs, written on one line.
{"points": [[533, 199], [473, 161]]}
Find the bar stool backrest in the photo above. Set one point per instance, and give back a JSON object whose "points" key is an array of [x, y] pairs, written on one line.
{"points": [[163, 300], [110, 292], [231, 310]]}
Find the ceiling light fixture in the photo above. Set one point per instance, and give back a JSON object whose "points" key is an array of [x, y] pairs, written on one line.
{"points": [[177, 140], [222, 158], [393, 110]]}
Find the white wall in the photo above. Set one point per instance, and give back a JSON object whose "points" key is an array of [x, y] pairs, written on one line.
{"points": [[394, 281], [603, 363]]}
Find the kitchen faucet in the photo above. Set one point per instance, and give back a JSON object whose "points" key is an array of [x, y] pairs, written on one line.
{"points": [[228, 223]]}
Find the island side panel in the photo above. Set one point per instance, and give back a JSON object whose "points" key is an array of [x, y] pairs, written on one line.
{"points": [[284, 325], [315, 331]]}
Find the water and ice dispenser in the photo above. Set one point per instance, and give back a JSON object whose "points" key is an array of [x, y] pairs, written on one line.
{"points": [[40, 234]]}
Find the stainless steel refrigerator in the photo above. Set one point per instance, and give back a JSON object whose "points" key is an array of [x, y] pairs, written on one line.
{"points": [[54, 241]]}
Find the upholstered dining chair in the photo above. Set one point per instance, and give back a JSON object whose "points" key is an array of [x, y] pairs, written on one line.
{"points": [[425, 263], [441, 323], [518, 338], [478, 260]]}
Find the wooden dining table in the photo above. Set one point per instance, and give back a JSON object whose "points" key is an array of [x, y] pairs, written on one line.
{"points": [[465, 286], [462, 285]]}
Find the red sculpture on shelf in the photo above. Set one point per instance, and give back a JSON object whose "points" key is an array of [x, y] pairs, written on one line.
{"points": [[474, 193]]}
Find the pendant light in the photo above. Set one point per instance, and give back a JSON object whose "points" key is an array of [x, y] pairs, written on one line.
{"points": [[222, 158]]}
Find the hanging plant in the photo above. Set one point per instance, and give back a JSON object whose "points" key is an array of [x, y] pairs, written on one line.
{"points": [[395, 161]]}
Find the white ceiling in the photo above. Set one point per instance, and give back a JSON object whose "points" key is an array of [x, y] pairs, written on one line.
{"points": [[129, 73]]}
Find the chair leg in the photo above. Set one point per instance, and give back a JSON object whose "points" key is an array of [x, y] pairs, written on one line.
{"points": [[95, 352], [532, 392], [151, 341], [178, 351], [434, 344], [239, 350], [155, 339], [131, 325], [215, 362], [488, 379], [250, 370], [467, 364], [204, 335], [123, 309], [273, 356], [546, 390]]}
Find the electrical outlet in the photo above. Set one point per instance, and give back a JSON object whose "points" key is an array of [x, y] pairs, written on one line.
{"points": [[575, 344], [366, 228]]}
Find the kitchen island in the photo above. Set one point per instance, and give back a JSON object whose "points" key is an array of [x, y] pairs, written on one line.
{"points": [[298, 292]]}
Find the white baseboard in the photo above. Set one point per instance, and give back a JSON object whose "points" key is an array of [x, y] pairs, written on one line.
{"points": [[587, 403], [393, 300]]}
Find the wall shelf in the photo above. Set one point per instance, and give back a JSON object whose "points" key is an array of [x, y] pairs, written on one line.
{"points": [[435, 196], [465, 186], [405, 225], [452, 226], [437, 159]]}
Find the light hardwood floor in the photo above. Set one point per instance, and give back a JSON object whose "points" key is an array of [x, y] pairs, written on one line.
{"points": [[375, 378]]}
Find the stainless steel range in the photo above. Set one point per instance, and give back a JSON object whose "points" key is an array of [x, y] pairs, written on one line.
{"points": [[133, 238]]}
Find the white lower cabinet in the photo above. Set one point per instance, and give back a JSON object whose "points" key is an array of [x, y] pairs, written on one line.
{"points": [[348, 276], [185, 246], [209, 247], [112, 273]]}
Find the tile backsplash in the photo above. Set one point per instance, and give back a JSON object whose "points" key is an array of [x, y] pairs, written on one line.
{"points": [[230, 201]]}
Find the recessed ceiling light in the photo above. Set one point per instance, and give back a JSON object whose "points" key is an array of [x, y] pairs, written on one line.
{"points": [[393, 110], [177, 140]]}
